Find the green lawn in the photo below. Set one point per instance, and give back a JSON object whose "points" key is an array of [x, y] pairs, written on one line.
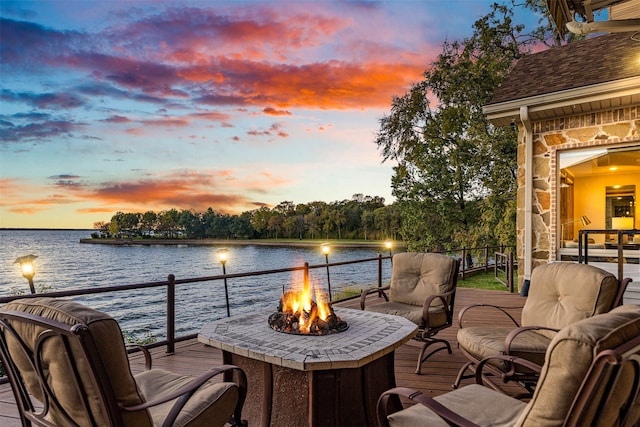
{"points": [[477, 281], [484, 281]]}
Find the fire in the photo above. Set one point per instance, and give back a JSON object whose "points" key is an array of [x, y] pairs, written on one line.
{"points": [[300, 313], [307, 311]]}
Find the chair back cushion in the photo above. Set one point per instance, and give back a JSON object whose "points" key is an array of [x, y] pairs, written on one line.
{"points": [[568, 360], [562, 293], [59, 370], [416, 276]]}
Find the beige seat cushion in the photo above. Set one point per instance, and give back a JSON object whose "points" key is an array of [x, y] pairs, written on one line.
{"points": [[568, 358], [199, 410], [437, 315], [562, 293], [482, 342], [482, 405], [108, 338], [415, 276]]}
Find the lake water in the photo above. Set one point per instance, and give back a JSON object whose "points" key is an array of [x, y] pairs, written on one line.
{"points": [[64, 263]]}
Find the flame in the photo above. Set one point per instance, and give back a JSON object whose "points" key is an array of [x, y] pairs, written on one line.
{"points": [[301, 304]]}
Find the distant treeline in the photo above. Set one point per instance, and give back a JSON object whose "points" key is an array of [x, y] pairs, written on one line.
{"points": [[362, 217]]}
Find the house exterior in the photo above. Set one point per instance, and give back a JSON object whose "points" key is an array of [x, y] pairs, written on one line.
{"points": [[577, 109]]}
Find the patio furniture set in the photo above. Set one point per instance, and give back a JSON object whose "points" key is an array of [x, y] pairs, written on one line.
{"points": [[575, 352]]}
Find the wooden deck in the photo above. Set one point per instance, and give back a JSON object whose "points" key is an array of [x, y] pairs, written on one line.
{"points": [[192, 357]]}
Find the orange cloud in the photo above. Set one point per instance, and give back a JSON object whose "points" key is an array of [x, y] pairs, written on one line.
{"points": [[273, 112], [186, 190], [225, 190], [94, 210], [26, 210], [329, 85]]}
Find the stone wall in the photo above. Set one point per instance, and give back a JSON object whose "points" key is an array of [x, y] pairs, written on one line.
{"points": [[595, 129]]}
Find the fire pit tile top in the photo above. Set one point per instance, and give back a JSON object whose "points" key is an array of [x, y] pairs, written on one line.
{"points": [[370, 336]]}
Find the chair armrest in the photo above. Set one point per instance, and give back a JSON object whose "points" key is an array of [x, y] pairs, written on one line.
{"points": [[184, 393], [517, 331], [501, 309], [439, 409], [145, 351], [513, 360], [622, 287], [443, 299], [366, 292]]}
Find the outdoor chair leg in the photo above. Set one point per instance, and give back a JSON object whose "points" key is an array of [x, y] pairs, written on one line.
{"points": [[461, 376], [422, 358]]}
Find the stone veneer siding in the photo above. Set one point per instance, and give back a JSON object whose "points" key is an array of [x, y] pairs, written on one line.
{"points": [[582, 131]]}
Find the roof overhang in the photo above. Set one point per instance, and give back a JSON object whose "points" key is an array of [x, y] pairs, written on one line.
{"points": [[587, 99]]}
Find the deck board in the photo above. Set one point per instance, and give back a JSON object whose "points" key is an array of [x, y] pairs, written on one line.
{"points": [[192, 357]]}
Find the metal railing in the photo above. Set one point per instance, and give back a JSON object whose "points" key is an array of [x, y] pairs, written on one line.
{"points": [[170, 285], [504, 264], [583, 245], [483, 261]]}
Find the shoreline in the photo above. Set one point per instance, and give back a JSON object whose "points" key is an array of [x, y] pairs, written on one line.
{"points": [[229, 242]]}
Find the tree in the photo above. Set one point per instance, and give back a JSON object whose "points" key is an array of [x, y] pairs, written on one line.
{"points": [[546, 30], [312, 223], [260, 219], [148, 222], [366, 219], [275, 224], [189, 220], [454, 168], [168, 222]]}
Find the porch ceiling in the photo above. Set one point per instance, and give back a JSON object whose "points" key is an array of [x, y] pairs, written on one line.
{"points": [[565, 11], [625, 160]]}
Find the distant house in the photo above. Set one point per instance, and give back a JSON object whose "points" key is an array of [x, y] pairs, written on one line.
{"points": [[577, 109]]}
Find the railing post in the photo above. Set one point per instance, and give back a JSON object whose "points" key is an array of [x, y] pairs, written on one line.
{"points": [[585, 246], [305, 279], [464, 260], [486, 258], [510, 272], [379, 273], [171, 314], [620, 255]]}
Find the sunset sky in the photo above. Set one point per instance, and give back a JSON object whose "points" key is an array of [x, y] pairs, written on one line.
{"points": [[133, 106]]}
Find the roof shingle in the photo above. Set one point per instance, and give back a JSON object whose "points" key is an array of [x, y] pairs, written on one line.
{"points": [[587, 62]]}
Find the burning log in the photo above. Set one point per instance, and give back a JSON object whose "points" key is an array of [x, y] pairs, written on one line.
{"points": [[299, 314]]}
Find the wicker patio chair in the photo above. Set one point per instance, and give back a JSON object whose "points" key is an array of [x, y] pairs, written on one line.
{"points": [[591, 377], [422, 290], [68, 366], [560, 294]]}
